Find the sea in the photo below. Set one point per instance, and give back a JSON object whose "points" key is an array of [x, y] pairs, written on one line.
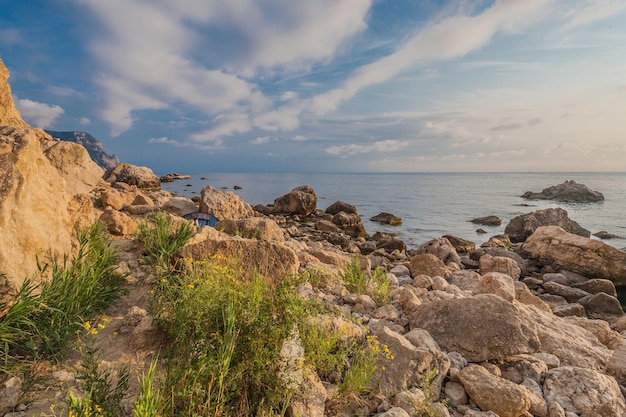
{"points": [[432, 205]]}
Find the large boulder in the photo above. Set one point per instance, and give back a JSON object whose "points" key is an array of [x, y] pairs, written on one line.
{"points": [[301, 200], [486, 327], [580, 390], [253, 228], [41, 196], [521, 227], [409, 364], [224, 204], [480, 328], [141, 177], [492, 393], [569, 192], [553, 246], [252, 256], [442, 249]]}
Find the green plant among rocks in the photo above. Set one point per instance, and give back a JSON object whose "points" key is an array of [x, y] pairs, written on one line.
{"points": [[225, 331], [45, 314], [376, 285], [102, 389]]}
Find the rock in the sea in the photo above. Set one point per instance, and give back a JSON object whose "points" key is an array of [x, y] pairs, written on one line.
{"points": [[172, 176], [387, 218], [224, 204], [141, 177], [301, 200], [487, 221], [604, 235], [339, 206], [551, 245], [520, 227], [569, 192]]}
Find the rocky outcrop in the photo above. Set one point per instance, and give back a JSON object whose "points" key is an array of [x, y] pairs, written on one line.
{"points": [[224, 204], [387, 218], [42, 181], [141, 177], [520, 227], [9, 116], [94, 147], [580, 390], [553, 246], [172, 176], [568, 192], [487, 221], [301, 200]]}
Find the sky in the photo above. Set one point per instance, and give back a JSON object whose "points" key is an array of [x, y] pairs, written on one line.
{"points": [[198, 86]]}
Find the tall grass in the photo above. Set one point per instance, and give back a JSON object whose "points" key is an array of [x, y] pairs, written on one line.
{"points": [[225, 332], [44, 315]]}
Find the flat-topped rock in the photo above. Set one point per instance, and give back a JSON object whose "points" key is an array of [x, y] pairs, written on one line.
{"points": [[569, 192]]}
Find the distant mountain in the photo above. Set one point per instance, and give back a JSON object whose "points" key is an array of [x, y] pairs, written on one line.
{"points": [[93, 146]]}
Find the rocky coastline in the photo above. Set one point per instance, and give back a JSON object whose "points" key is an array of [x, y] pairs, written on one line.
{"points": [[528, 324]]}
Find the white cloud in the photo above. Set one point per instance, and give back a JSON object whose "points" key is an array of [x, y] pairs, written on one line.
{"points": [[299, 138], [451, 37], [589, 11], [165, 140], [168, 58], [390, 145], [39, 114], [260, 140], [84, 121], [224, 126]]}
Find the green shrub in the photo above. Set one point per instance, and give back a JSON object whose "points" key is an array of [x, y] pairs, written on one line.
{"points": [[102, 390], [44, 316], [161, 239], [376, 285]]}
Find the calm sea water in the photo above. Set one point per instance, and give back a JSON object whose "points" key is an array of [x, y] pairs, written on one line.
{"points": [[433, 204]]}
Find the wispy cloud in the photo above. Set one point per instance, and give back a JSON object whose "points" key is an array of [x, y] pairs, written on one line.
{"points": [[39, 114], [390, 145]]}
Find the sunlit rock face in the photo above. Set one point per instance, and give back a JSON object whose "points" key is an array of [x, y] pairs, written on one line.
{"points": [[42, 192]]}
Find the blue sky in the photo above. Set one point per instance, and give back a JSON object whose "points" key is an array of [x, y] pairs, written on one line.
{"points": [[328, 85]]}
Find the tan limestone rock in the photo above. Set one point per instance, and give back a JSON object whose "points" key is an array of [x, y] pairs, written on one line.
{"points": [[9, 116], [253, 228], [179, 206], [301, 200], [579, 389], [267, 258], [508, 266], [118, 223], [492, 393], [428, 264], [115, 199], [496, 283], [224, 204], [141, 177], [553, 246]]}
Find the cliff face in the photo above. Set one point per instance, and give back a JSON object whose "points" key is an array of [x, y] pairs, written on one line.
{"points": [[93, 146], [43, 182]]}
